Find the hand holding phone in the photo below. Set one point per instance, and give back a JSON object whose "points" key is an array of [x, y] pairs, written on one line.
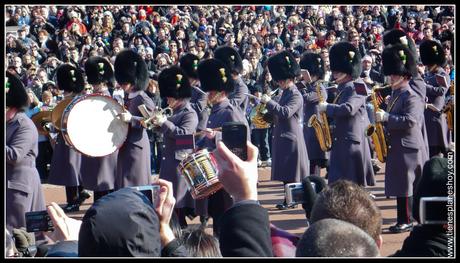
{"points": [[238, 177]]}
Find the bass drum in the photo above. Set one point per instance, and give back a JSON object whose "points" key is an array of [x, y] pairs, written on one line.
{"points": [[90, 125]]}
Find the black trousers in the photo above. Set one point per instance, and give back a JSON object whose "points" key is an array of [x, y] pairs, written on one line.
{"points": [[45, 153], [404, 209], [72, 193]]}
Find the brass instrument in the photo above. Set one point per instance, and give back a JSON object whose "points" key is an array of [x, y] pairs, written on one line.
{"points": [[377, 134], [258, 116], [56, 114], [321, 125], [148, 117], [449, 108], [40, 120]]}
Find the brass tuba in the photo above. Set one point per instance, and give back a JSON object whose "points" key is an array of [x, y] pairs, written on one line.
{"points": [[321, 125], [376, 133]]}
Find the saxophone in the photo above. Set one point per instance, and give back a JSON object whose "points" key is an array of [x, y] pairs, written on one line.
{"points": [[321, 125], [449, 108], [377, 134]]}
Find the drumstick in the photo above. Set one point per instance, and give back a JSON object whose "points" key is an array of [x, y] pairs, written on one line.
{"points": [[200, 90], [251, 96], [203, 132]]}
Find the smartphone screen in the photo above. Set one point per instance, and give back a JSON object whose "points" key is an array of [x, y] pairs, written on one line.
{"points": [[150, 191], [234, 136]]}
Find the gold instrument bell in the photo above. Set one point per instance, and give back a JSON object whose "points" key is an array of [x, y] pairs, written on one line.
{"points": [[56, 114], [40, 119]]}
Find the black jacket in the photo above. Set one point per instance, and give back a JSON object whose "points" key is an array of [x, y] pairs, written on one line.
{"points": [[425, 241], [245, 231]]}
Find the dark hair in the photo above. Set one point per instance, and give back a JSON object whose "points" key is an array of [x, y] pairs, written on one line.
{"points": [[198, 243], [336, 238], [349, 202]]}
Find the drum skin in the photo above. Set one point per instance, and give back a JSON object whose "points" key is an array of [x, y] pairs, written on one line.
{"points": [[91, 126]]}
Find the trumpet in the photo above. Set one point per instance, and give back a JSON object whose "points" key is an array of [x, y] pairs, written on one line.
{"points": [[377, 134], [148, 117], [321, 125]]}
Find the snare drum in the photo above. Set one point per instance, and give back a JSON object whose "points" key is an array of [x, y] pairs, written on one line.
{"points": [[200, 172], [90, 125]]}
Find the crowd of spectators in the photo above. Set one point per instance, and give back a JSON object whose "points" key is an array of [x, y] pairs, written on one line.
{"points": [[47, 36]]}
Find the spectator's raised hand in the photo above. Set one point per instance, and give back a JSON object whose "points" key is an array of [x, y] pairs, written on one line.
{"points": [[65, 228], [238, 177], [165, 208]]}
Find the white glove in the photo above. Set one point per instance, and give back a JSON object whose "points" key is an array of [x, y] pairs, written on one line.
{"points": [[322, 106], [125, 116], [381, 116], [265, 98], [159, 119]]}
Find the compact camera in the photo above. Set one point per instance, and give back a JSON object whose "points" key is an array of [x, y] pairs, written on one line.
{"points": [[38, 221], [295, 193], [433, 210], [150, 191]]}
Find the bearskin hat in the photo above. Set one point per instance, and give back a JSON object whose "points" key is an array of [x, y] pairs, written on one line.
{"points": [[131, 68], [98, 70], [69, 78], [399, 60], [230, 57], [313, 63], [396, 36], [432, 53], [16, 94], [189, 63], [345, 58], [214, 75], [283, 66], [173, 82]]}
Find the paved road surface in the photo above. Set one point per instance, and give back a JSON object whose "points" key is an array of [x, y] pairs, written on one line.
{"points": [[293, 220]]}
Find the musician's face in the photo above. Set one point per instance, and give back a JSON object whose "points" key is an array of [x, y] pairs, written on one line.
{"points": [[127, 87], [172, 102]]}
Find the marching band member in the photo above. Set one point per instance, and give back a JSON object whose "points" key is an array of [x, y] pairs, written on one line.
{"points": [[307, 86], [133, 163], [290, 158], [350, 157], [232, 59], [175, 87], [24, 191], [45, 150], [98, 173], [198, 101], [417, 84], [403, 118], [217, 81], [65, 164], [433, 56]]}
